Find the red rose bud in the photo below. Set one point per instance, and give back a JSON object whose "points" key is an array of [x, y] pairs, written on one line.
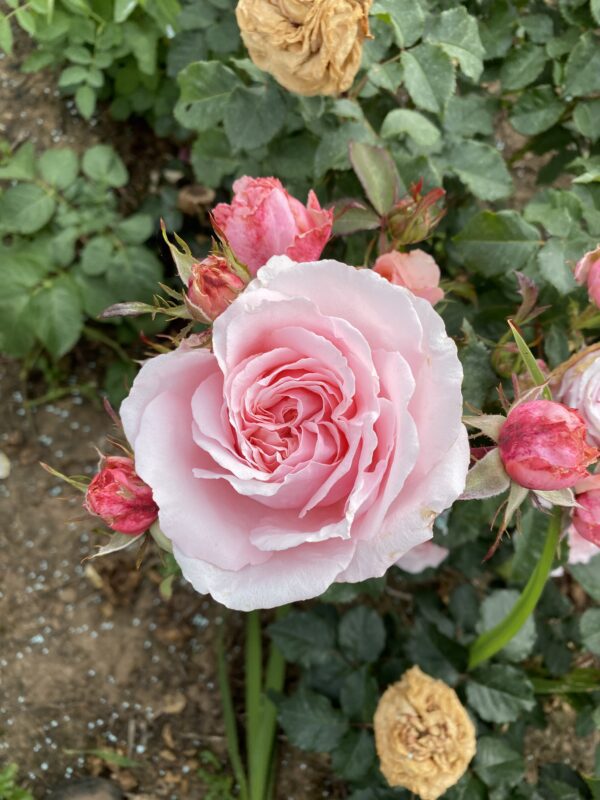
{"points": [[120, 497], [415, 216], [543, 446], [586, 518], [213, 286]]}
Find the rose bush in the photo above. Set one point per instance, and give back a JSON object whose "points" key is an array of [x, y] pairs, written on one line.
{"points": [[264, 220], [317, 443]]}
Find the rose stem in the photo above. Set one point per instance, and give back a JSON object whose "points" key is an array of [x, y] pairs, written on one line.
{"points": [[490, 642], [260, 730], [233, 747]]}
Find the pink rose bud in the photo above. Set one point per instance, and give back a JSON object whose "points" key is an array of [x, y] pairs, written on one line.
{"points": [[587, 273], [586, 518], [213, 286], [543, 446], [120, 497], [414, 217], [264, 220], [416, 270]]}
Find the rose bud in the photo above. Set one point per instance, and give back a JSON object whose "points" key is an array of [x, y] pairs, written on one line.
{"points": [[264, 220], [213, 286], [586, 516], [416, 271], [120, 497], [587, 273], [543, 446], [414, 217]]}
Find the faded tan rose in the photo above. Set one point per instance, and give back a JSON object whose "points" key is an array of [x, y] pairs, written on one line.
{"points": [[309, 46], [424, 736]]}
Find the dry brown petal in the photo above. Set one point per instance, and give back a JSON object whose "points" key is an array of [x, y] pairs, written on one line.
{"points": [[309, 46], [424, 736]]}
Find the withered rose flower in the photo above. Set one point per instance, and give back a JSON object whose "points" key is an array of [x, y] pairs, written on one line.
{"points": [[309, 46], [424, 736]]}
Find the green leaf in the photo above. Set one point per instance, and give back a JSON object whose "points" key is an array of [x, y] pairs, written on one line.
{"points": [[554, 268], [206, 89], [359, 695], [310, 722], [123, 9], [102, 164], [578, 681], [536, 110], [429, 76], [479, 377], [456, 32], [20, 165], [25, 208], [135, 229], [436, 654], [469, 787], [72, 76], [588, 576], [582, 71], [406, 17], [361, 634], [522, 66], [6, 35], [481, 168], [254, 116], [529, 360], [354, 756], [497, 764], [495, 243], [57, 315], [470, 114], [377, 173], [494, 609], [303, 637], [589, 626], [595, 9], [587, 119], [96, 256], [59, 167], [212, 159], [417, 126], [500, 693], [333, 151], [353, 217], [85, 100], [134, 273]]}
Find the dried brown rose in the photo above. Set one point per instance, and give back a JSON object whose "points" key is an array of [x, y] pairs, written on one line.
{"points": [[309, 46], [424, 736]]}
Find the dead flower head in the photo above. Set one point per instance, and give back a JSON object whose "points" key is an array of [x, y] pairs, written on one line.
{"points": [[424, 736], [309, 46]]}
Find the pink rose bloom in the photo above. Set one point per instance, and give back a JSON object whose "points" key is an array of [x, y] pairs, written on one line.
{"points": [[416, 270], [422, 557], [264, 220], [587, 273], [120, 497], [543, 446], [317, 443], [213, 286], [580, 389], [586, 517]]}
